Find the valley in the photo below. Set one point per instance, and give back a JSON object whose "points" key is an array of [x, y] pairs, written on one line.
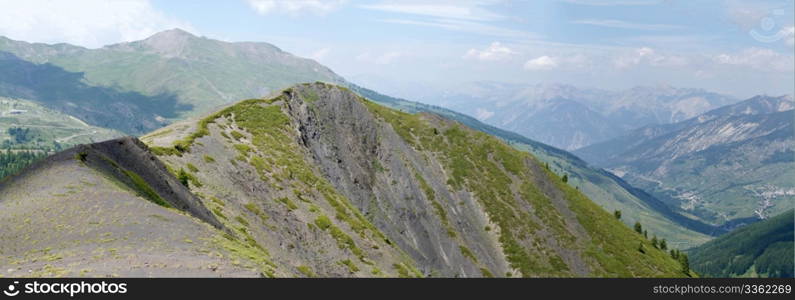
{"points": [[726, 167]]}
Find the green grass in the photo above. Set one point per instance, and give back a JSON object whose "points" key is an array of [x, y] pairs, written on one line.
{"points": [[257, 255], [219, 213], [468, 254], [186, 177], [237, 135], [323, 222], [242, 221], [437, 207], [209, 159], [406, 271], [486, 273], [253, 208], [403, 272], [217, 201], [243, 148], [350, 264], [344, 241], [144, 189], [287, 202], [306, 270]]}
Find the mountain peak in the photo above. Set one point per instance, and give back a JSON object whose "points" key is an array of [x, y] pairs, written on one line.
{"points": [[172, 33], [170, 42]]}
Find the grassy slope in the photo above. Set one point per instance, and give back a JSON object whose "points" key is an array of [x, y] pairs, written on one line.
{"points": [[762, 249], [207, 74], [47, 126]]}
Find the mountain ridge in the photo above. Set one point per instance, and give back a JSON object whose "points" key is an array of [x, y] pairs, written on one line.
{"points": [[302, 202]]}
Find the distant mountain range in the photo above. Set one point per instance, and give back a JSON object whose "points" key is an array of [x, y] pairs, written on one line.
{"points": [[763, 249], [732, 164], [568, 117]]}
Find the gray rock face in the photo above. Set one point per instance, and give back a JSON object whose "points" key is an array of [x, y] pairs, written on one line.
{"points": [[130, 154], [371, 165]]}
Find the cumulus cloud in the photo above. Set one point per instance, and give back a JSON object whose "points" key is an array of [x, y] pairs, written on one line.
{"points": [[493, 52], [648, 56], [89, 23], [541, 63], [758, 58], [295, 7], [570, 62]]}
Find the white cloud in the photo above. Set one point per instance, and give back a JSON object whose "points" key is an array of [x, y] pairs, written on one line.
{"points": [[462, 10], [467, 26], [569, 62], [648, 56], [470, 16], [382, 59], [789, 35], [613, 3], [541, 63], [627, 25], [495, 52], [759, 59], [295, 7], [89, 23]]}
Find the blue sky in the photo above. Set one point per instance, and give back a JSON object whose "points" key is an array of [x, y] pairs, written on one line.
{"points": [[738, 47]]}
